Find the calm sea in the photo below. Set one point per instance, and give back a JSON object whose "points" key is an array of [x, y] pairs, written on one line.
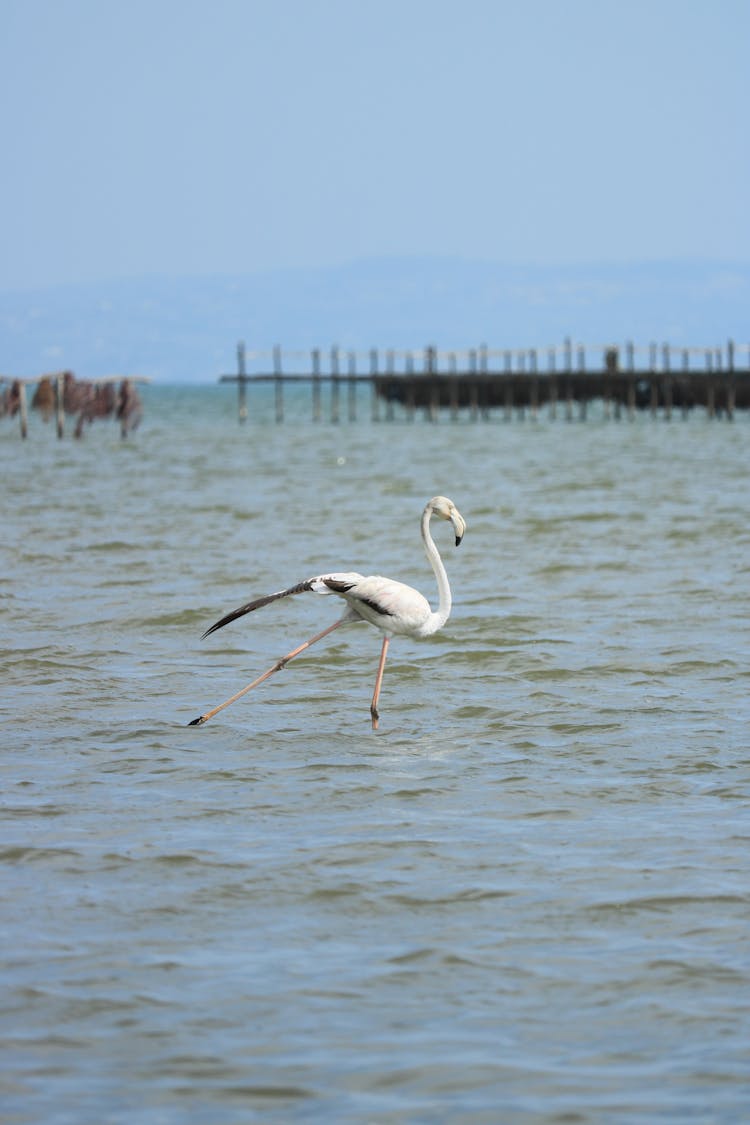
{"points": [[523, 899]]}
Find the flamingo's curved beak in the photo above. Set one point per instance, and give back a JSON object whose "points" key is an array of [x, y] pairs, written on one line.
{"points": [[459, 524]]}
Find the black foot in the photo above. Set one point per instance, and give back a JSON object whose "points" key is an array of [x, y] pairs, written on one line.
{"points": [[197, 722]]}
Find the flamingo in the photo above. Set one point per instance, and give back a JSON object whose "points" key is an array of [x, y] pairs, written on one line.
{"points": [[392, 607]]}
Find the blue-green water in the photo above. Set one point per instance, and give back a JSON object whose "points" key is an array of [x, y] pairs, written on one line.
{"points": [[523, 899]]}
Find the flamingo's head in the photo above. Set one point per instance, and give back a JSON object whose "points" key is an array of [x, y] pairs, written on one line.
{"points": [[444, 508]]}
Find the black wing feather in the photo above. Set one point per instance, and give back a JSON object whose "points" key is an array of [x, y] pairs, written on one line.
{"points": [[258, 603]]}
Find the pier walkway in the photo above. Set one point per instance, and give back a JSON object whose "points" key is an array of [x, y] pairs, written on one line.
{"points": [[563, 380]]}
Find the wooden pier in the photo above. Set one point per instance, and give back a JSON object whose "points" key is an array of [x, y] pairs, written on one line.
{"points": [[562, 380]]}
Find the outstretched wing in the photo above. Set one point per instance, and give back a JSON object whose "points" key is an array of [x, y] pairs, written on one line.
{"points": [[319, 585]]}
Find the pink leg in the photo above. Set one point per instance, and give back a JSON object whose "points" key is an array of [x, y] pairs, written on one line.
{"points": [[378, 682], [274, 668]]}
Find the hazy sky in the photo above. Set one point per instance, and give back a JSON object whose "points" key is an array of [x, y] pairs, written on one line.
{"points": [[227, 136]]}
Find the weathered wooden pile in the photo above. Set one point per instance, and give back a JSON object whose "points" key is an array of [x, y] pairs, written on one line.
{"points": [[86, 400]]}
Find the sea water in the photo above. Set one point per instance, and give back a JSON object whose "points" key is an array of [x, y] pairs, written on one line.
{"points": [[523, 899]]}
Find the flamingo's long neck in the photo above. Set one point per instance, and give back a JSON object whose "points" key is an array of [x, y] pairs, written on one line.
{"points": [[445, 602]]}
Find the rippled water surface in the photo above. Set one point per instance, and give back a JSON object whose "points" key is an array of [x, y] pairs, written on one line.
{"points": [[523, 899]]}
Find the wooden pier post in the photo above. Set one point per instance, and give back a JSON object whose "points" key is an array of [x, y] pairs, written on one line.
{"points": [[482, 395], [630, 364], [373, 376], [335, 384], [568, 365], [508, 395], [583, 402], [710, 386], [611, 364], [453, 387], [654, 385], [534, 384], [390, 370], [60, 403], [278, 383], [410, 388], [241, 383], [521, 362], [552, 371], [666, 370], [719, 382], [483, 388], [23, 409], [352, 395], [686, 382], [730, 381], [430, 367], [315, 359], [473, 386]]}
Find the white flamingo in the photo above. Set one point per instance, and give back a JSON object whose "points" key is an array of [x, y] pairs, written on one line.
{"points": [[392, 607]]}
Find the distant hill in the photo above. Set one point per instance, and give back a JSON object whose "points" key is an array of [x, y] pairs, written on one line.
{"points": [[186, 329]]}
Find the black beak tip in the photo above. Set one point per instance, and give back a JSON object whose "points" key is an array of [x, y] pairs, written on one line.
{"points": [[458, 540]]}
